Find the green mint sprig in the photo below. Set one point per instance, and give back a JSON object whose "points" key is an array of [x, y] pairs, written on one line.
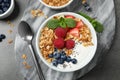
{"points": [[53, 23], [62, 22], [97, 25]]}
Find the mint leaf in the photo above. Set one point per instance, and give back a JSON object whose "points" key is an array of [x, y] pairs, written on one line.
{"points": [[93, 22], [62, 19], [70, 22], [97, 25], [86, 16], [53, 23], [63, 24]]}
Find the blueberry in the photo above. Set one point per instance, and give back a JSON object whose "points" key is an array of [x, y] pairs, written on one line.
{"points": [[0, 1], [1, 12], [50, 55], [55, 63], [3, 4], [7, 4], [60, 61], [0, 40], [56, 55], [2, 36], [64, 57], [74, 61], [85, 4], [68, 59], [6, 0], [55, 49], [62, 53], [88, 8], [5, 9]]}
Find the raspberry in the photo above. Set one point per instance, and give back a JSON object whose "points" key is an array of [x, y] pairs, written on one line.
{"points": [[70, 44], [60, 32], [59, 43]]}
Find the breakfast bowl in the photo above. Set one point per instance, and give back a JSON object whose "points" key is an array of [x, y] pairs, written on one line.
{"points": [[66, 42], [56, 4], [6, 8]]}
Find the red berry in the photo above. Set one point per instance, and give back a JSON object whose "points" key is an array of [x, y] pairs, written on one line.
{"points": [[59, 43], [60, 32], [69, 16], [67, 29], [74, 32], [79, 24], [70, 44]]}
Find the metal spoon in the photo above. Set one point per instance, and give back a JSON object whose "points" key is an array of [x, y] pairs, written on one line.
{"points": [[27, 35]]}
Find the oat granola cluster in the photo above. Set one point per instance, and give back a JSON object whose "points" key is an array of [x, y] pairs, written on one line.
{"points": [[46, 42], [86, 37], [56, 2]]}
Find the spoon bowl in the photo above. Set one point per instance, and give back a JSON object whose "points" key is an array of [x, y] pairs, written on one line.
{"points": [[25, 32]]}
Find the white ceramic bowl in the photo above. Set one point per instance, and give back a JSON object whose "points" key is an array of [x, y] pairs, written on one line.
{"points": [[55, 7], [9, 11], [85, 53]]}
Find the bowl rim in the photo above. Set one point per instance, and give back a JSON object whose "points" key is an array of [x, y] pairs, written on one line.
{"points": [[56, 7], [37, 42], [9, 9]]}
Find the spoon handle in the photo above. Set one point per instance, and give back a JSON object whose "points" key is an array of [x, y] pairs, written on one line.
{"points": [[37, 65]]}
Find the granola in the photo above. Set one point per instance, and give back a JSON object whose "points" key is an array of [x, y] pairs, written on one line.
{"points": [[56, 2], [46, 42]]}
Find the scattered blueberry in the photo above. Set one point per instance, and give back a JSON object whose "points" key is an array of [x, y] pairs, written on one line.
{"points": [[56, 55], [60, 61], [0, 40], [74, 61], [50, 55], [88, 8], [55, 63], [64, 57], [2, 36], [85, 4], [68, 59]]}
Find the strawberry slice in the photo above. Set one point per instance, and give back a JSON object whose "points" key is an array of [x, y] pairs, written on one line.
{"points": [[74, 32], [79, 24], [69, 16]]}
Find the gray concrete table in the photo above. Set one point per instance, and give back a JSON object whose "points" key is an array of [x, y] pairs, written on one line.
{"points": [[108, 69]]}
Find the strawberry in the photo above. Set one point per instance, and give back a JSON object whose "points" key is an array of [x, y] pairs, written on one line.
{"points": [[69, 16], [74, 32], [79, 24]]}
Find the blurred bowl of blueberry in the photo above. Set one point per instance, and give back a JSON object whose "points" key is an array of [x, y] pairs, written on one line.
{"points": [[6, 8]]}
